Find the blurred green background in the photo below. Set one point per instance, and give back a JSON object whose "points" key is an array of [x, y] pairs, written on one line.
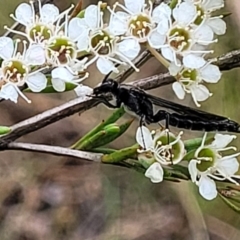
{"points": [[42, 197]]}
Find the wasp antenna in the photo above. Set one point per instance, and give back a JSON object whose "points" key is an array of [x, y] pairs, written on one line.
{"points": [[107, 76]]}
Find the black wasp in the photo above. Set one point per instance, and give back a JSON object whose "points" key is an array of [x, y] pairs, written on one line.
{"points": [[141, 103]]}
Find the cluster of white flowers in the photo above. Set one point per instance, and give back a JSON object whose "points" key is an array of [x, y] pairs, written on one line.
{"points": [[207, 164], [56, 41]]}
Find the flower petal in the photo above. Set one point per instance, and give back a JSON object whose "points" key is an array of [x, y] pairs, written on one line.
{"points": [[8, 91], [104, 65], [129, 48], [6, 47], [178, 89], [228, 166], [144, 138], [62, 73], [160, 12], [76, 27], [174, 69], [192, 168], [37, 82], [218, 26], [83, 90], [83, 41], [193, 61], [91, 16], [24, 14], [204, 35], [213, 5], [58, 84], [119, 23], [210, 73], [49, 13], [207, 188], [185, 13], [155, 172], [200, 92], [222, 140], [155, 39], [35, 55], [134, 6], [167, 53]]}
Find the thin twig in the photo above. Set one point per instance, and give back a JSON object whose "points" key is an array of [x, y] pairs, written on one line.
{"points": [[44, 119], [55, 150], [228, 61]]}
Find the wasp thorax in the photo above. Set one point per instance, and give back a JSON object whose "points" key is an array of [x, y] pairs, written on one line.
{"points": [[140, 26], [39, 33], [179, 39], [61, 50], [207, 157], [102, 43], [14, 71]]}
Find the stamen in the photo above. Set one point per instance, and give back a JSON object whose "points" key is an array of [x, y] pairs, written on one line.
{"points": [[17, 32]]}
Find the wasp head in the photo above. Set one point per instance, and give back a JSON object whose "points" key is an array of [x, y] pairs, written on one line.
{"points": [[107, 86]]}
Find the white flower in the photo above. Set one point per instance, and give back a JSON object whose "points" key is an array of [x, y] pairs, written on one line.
{"points": [[205, 9], [190, 80], [39, 28], [48, 36], [15, 71], [178, 40], [139, 22], [165, 147], [62, 75], [209, 164], [93, 36]]}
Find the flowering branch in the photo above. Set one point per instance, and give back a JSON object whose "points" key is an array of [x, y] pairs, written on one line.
{"points": [[225, 62], [59, 47]]}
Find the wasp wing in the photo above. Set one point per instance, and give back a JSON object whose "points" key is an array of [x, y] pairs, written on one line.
{"points": [[184, 110]]}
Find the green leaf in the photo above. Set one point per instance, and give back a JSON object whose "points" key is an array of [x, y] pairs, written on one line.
{"points": [[189, 156], [103, 150], [49, 89], [181, 169], [99, 138], [175, 174], [230, 203], [112, 119], [112, 136], [120, 155], [193, 144], [4, 130]]}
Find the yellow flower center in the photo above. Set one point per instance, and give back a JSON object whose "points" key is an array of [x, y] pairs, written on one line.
{"points": [[179, 39], [209, 156], [140, 26], [61, 50], [14, 71], [40, 33], [102, 43]]}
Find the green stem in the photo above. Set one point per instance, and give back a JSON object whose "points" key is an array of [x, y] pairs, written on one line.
{"points": [[158, 56]]}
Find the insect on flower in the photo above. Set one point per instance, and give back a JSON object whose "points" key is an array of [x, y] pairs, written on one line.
{"points": [[141, 104]]}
